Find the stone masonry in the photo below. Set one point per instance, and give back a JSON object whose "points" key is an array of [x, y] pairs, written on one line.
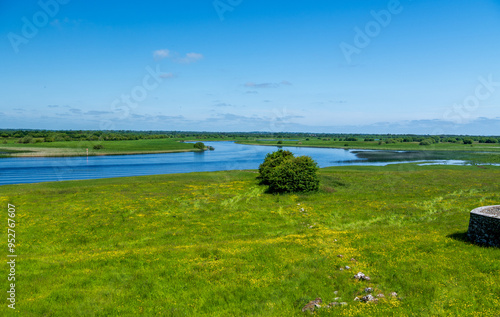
{"points": [[484, 226]]}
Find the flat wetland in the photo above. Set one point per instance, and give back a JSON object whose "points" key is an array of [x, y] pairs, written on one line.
{"points": [[216, 244]]}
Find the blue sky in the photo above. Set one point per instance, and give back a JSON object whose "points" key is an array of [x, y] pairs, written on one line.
{"points": [[425, 67]]}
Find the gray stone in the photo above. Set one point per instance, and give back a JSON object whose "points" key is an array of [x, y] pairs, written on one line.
{"points": [[368, 298], [332, 304], [312, 305], [361, 276]]}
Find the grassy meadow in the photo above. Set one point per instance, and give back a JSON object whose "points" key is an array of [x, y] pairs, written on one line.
{"points": [[79, 148], [216, 244]]}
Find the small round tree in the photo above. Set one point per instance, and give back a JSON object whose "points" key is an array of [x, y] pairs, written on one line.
{"points": [[285, 173]]}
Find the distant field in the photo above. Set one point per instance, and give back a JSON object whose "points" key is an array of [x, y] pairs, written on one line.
{"points": [[215, 244], [76, 148]]}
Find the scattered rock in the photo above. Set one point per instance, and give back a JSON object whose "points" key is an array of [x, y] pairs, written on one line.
{"points": [[368, 290], [347, 267], [332, 304], [302, 209], [368, 298], [340, 256], [356, 299], [394, 294], [343, 304], [336, 298], [336, 292], [341, 269], [312, 305], [353, 259], [380, 295], [362, 277]]}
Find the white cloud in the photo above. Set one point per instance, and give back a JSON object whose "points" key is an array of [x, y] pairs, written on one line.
{"points": [[174, 56], [190, 58], [161, 54], [167, 75]]}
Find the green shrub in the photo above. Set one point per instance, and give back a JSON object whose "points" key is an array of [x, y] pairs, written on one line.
{"points": [[294, 174], [425, 142], [270, 162], [27, 139], [98, 147], [199, 145], [285, 173]]}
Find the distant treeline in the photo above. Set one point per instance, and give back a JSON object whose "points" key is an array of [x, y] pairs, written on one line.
{"points": [[36, 136]]}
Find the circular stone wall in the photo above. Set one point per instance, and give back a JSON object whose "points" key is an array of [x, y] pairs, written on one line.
{"points": [[484, 226]]}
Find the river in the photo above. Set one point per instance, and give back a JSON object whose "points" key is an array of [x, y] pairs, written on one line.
{"points": [[227, 156]]}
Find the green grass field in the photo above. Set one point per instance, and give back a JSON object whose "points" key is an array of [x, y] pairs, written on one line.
{"points": [[215, 244], [76, 148]]}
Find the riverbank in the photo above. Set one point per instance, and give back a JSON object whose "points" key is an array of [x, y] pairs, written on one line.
{"points": [[37, 152], [76, 148], [215, 244]]}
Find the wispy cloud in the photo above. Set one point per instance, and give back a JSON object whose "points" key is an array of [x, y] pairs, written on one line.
{"points": [[161, 54], [268, 85], [167, 75], [224, 105], [186, 59], [97, 113], [66, 21], [189, 58]]}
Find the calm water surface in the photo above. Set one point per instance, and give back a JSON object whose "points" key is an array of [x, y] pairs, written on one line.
{"points": [[227, 156]]}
